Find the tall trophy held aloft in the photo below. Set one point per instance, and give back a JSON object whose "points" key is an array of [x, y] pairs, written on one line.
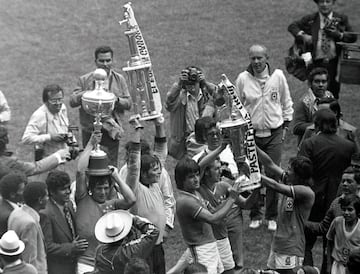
{"points": [[235, 125], [98, 102], [143, 88]]}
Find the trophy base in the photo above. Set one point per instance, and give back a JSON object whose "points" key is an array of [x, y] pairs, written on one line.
{"points": [[150, 117], [227, 123]]}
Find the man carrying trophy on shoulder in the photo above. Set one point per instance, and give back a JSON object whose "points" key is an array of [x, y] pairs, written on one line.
{"points": [[187, 100], [114, 83]]}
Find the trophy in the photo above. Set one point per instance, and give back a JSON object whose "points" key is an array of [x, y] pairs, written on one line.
{"points": [[98, 103], [144, 91], [236, 126]]}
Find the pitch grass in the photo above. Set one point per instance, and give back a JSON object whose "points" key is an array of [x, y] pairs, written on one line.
{"points": [[53, 42]]}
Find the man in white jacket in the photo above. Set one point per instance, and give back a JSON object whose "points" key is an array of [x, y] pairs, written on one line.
{"points": [[265, 95]]}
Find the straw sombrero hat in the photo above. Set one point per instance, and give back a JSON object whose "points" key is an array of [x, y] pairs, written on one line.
{"points": [[113, 226], [10, 244]]}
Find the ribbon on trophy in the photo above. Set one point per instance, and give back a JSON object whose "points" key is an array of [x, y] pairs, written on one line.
{"points": [[139, 70], [234, 122]]}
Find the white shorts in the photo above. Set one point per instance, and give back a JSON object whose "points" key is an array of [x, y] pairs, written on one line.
{"points": [[225, 252], [281, 261], [337, 268], [83, 268], [207, 254]]}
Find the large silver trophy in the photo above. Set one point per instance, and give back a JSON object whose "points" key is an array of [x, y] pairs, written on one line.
{"points": [[235, 125], [144, 91], [98, 103]]}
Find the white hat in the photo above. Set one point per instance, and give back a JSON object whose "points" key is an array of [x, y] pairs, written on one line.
{"points": [[10, 244], [113, 226]]}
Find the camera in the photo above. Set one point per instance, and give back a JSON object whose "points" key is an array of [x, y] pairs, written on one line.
{"points": [[72, 142], [193, 75]]}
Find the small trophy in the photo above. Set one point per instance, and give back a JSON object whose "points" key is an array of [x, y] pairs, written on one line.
{"points": [[236, 126], [144, 91]]}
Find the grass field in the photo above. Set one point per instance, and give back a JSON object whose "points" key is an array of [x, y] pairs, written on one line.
{"points": [[53, 42]]}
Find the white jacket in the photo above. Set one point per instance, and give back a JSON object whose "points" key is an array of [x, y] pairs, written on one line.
{"points": [[270, 107]]}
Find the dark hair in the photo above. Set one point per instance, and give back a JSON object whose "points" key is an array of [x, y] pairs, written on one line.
{"points": [[303, 168], [195, 268], [10, 184], [333, 105], [350, 199], [148, 161], [99, 180], [317, 71], [10, 259], [33, 191], [51, 89], [57, 179], [202, 125], [103, 49], [352, 170], [183, 168], [136, 266], [325, 120], [206, 168], [353, 263]]}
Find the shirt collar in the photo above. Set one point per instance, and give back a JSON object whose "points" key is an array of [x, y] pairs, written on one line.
{"points": [[14, 205], [52, 116], [32, 212], [322, 19]]}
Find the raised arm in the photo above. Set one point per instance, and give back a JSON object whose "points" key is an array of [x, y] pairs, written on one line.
{"points": [[269, 164], [46, 164], [216, 217], [174, 97], [83, 162], [134, 158], [211, 157], [160, 144], [75, 97], [129, 198]]}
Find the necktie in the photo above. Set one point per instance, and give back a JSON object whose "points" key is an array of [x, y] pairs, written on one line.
{"points": [[69, 221]]}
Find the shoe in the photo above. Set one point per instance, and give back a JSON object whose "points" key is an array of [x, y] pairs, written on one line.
{"points": [[255, 224], [272, 225]]}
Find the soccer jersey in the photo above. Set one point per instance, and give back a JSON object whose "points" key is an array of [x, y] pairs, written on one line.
{"points": [[344, 241], [195, 232]]}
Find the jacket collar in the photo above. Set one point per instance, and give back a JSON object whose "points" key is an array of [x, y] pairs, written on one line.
{"points": [[251, 71]]}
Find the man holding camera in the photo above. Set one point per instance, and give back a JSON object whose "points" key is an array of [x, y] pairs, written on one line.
{"points": [[48, 126], [187, 100], [265, 95], [320, 32]]}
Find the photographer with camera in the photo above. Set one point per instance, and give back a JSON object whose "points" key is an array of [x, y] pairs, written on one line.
{"points": [[320, 31], [48, 127], [187, 100]]}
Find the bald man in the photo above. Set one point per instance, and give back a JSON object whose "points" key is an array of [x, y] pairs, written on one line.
{"points": [[265, 94]]}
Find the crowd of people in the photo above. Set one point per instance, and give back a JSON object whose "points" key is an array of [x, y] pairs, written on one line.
{"points": [[115, 219]]}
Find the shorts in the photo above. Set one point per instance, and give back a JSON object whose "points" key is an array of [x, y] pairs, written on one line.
{"points": [[83, 268], [281, 261], [338, 268], [207, 254], [225, 252]]}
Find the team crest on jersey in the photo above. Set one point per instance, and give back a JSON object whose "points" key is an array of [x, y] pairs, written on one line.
{"points": [[274, 94], [289, 206]]}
